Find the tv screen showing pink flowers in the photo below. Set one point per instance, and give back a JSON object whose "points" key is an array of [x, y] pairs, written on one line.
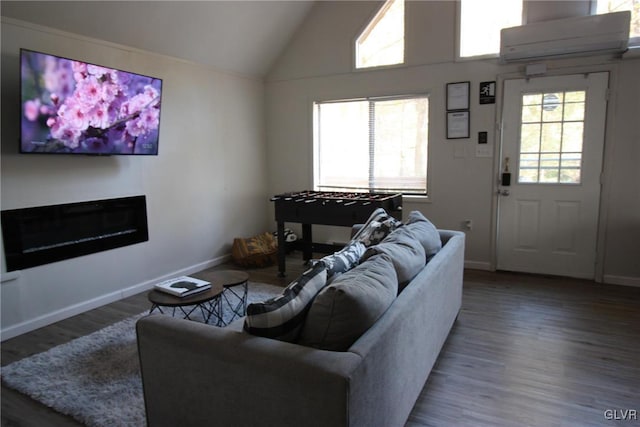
{"points": [[73, 107]]}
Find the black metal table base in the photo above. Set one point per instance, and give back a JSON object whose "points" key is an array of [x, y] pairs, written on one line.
{"points": [[208, 310], [235, 301]]}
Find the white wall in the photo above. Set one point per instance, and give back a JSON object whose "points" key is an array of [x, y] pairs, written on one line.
{"points": [[622, 178], [317, 65], [206, 186]]}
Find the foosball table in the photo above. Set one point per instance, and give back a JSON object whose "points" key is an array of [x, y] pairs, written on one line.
{"points": [[327, 208]]}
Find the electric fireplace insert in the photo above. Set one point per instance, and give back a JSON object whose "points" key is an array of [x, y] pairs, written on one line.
{"points": [[46, 234]]}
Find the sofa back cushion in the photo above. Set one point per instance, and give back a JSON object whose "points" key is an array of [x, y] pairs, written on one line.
{"points": [[282, 317], [350, 305], [425, 232], [405, 251]]}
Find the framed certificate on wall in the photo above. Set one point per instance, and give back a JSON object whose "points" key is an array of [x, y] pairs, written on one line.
{"points": [[457, 124], [458, 96]]}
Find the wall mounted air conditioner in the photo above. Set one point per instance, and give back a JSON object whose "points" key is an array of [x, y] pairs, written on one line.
{"points": [[578, 36]]}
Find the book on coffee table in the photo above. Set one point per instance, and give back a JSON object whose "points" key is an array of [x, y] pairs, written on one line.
{"points": [[183, 286]]}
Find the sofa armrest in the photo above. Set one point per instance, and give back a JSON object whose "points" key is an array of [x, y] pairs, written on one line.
{"points": [[197, 374]]}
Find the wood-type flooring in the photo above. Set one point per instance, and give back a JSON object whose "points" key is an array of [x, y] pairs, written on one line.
{"points": [[526, 350]]}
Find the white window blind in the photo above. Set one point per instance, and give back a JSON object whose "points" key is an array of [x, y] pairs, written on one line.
{"points": [[374, 144]]}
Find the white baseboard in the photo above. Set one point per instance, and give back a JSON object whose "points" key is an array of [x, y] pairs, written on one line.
{"points": [[477, 265], [56, 316], [621, 280], [608, 278], [73, 310]]}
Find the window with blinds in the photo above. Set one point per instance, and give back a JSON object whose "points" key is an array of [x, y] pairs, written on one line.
{"points": [[373, 144]]}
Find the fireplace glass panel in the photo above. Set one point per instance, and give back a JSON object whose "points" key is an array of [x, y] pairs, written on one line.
{"points": [[45, 234]]}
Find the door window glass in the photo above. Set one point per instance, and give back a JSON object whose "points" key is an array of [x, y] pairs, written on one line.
{"points": [[551, 136]]}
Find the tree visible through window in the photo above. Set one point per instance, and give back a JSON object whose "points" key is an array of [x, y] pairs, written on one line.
{"points": [[382, 41], [606, 6], [551, 140], [378, 144], [481, 22]]}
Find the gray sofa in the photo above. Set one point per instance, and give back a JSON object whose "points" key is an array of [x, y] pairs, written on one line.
{"points": [[195, 374]]}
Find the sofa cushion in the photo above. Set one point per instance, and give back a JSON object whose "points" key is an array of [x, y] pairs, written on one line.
{"points": [[425, 232], [378, 226], [343, 260], [282, 317], [350, 305], [405, 251]]}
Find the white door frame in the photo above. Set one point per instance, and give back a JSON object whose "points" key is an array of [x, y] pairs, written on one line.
{"points": [[607, 165]]}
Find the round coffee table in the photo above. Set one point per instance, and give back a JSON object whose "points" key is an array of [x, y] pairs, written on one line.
{"points": [[232, 297], [207, 301]]}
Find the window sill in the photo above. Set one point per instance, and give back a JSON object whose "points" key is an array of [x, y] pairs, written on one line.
{"points": [[416, 199], [483, 57], [632, 53], [357, 69]]}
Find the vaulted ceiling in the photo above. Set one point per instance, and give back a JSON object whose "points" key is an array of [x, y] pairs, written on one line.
{"points": [[244, 37]]}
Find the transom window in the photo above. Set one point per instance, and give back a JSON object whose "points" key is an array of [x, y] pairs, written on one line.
{"points": [[373, 144], [481, 22], [382, 41], [551, 137], [606, 6]]}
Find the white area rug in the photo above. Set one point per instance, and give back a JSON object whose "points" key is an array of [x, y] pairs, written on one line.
{"points": [[95, 378]]}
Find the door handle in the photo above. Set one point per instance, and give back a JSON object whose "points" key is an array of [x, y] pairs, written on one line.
{"points": [[502, 192]]}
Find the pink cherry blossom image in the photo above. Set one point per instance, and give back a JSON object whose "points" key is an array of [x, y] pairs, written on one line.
{"points": [[79, 108]]}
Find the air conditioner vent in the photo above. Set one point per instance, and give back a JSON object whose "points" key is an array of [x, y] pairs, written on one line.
{"points": [[579, 36]]}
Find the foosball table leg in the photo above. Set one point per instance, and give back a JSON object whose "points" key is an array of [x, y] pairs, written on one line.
{"points": [[281, 250], [307, 242]]}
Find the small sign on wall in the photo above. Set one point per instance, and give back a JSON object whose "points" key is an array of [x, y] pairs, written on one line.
{"points": [[488, 92]]}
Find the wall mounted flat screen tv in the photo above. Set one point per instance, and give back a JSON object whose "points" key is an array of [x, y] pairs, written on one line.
{"points": [[73, 107]]}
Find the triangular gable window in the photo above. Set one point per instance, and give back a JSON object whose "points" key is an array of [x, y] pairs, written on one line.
{"points": [[382, 41]]}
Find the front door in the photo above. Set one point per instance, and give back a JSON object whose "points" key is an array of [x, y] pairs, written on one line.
{"points": [[552, 147]]}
